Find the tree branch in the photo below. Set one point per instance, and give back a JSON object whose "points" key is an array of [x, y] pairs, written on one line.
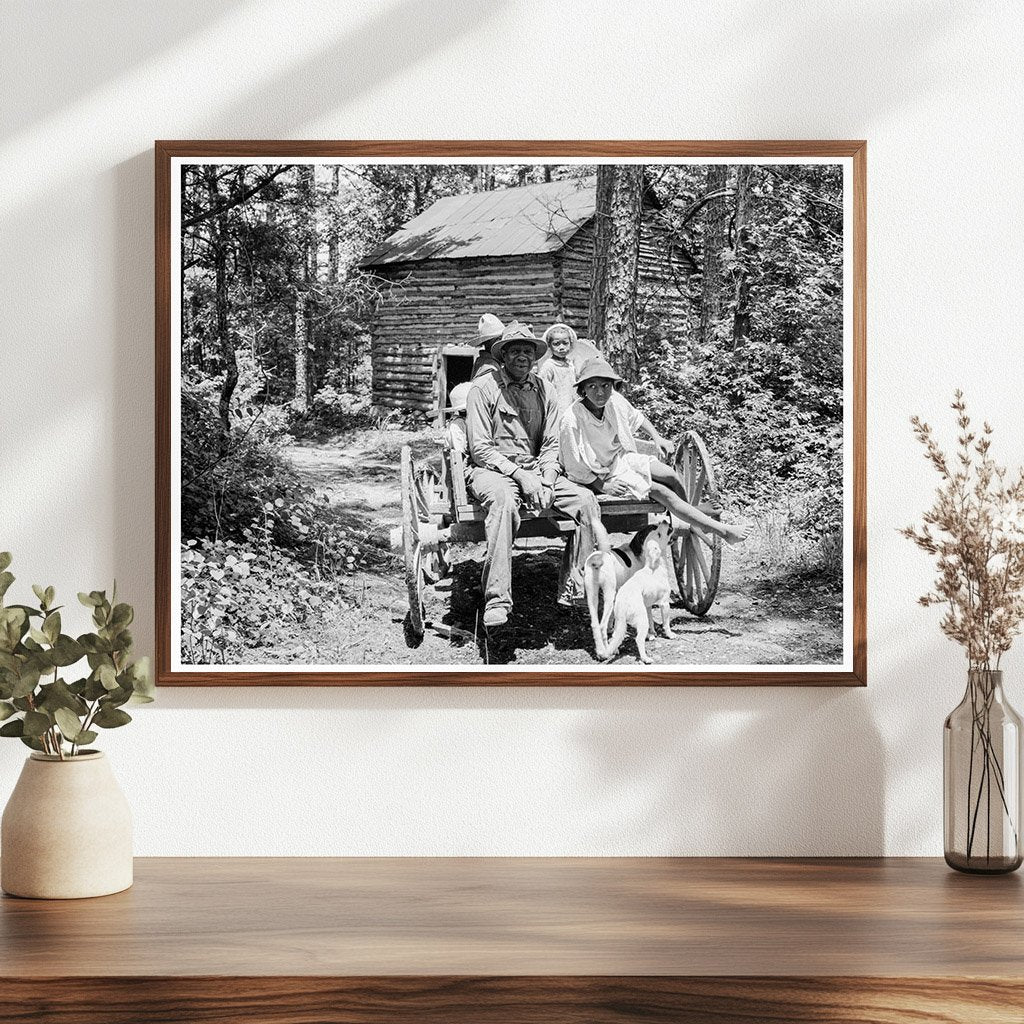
{"points": [[231, 203]]}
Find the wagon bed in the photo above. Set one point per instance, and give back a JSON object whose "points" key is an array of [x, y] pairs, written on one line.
{"points": [[439, 512]]}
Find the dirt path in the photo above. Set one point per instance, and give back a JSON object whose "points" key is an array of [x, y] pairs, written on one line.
{"points": [[759, 618]]}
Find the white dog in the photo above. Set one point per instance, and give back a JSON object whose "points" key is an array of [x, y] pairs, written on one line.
{"points": [[605, 574], [646, 589]]}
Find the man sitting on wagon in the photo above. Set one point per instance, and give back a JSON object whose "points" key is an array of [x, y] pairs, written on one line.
{"points": [[512, 420]]}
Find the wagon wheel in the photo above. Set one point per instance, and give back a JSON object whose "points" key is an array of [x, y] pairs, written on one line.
{"points": [[698, 561], [411, 549], [428, 490]]}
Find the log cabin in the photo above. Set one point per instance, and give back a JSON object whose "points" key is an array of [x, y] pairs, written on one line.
{"points": [[521, 253]]}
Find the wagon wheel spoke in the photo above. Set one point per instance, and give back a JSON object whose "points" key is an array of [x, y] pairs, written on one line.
{"points": [[699, 483], [699, 557], [428, 489]]}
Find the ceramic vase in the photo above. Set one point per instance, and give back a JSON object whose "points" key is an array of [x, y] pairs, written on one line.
{"points": [[66, 831]]}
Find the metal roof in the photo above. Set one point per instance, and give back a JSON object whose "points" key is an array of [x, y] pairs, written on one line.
{"points": [[505, 222]]}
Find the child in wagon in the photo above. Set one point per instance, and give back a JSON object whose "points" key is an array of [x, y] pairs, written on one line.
{"points": [[559, 367], [456, 438], [598, 449]]}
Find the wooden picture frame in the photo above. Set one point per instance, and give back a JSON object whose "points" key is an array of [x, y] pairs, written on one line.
{"points": [[850, 155]]}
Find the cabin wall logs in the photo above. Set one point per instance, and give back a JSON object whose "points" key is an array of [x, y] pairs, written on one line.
{"points": [[661, 290], [439, 302]]}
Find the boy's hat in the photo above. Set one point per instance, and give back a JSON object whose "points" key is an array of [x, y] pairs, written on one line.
{"points": [[458, 397], [518, 332], [489, 328], [560, 328], [595, 368]]}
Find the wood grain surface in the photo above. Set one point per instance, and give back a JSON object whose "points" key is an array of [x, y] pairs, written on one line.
{"points": [[167, 150], [522, 939]]}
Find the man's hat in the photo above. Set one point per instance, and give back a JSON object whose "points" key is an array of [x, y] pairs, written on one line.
{"points": [[458, 397], [489, 328], [518, 332], [594, 368]]}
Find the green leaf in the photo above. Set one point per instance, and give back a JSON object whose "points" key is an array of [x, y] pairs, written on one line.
{"points": [[51, 626], [40, 592], [67, 651], [13, 625], [50, 595], [59, 695], [115, 698], [27, 681], [28, 610], [107, 676], [15, 728], [89, 600], [88, 641], [94, 689], [122, 616], [38, 635], [31, 741], [69, 724], [86, 736], [36, 723], [6, 710], [5, 559], [111, 718], [6, 579]]}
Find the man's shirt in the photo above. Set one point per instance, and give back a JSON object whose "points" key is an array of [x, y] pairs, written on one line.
{"points": [[512, 425]]}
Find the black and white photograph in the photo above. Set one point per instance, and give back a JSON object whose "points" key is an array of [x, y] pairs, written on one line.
{"points": [[542, 414]]}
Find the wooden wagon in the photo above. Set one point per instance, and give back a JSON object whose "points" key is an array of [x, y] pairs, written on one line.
{"points": [[439, 512]]}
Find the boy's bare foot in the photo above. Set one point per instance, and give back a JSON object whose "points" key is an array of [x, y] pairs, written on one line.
{"points": [[735, 533]]}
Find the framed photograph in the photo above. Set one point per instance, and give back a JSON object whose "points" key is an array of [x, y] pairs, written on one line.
{"points": [[492, 413]]}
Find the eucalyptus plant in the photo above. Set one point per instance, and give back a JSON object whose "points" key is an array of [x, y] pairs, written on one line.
{"points": [[46, 712]]}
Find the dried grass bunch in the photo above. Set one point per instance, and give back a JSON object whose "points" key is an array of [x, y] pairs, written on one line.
{"points": [[976, 531]]}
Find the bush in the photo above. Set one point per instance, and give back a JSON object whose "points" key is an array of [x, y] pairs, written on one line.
{"points": [[235, 599], [773, 432], [238, 486]]}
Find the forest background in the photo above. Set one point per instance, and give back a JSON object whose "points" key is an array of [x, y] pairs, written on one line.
{"points": [[275, 353]]}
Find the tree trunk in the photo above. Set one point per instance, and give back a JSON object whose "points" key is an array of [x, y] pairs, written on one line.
{"points": [[301, 400], [612, 319], [716, 241], [304, 294], [334, 227], [219, 251], [741, 280]]}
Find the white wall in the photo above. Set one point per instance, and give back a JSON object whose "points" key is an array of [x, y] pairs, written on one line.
{"points": [[937, 90]]}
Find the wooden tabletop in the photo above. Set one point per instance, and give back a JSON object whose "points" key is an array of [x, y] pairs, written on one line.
{"points": [[321, 916], [503, 918]]}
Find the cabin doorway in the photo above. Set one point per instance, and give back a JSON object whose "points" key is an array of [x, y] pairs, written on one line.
{"points": [[455, 366]]}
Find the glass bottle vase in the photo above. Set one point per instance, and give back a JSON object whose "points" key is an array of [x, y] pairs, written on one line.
{"points": [[981, 774]]}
